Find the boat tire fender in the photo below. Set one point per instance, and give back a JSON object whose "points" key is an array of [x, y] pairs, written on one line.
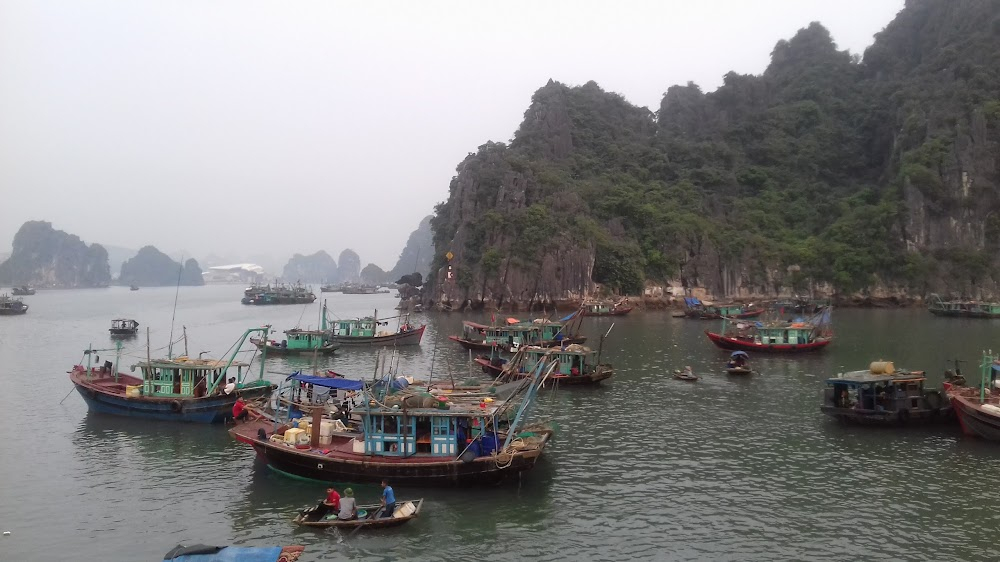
{"points": [[934, 400], [904, 416], [175, 406]]}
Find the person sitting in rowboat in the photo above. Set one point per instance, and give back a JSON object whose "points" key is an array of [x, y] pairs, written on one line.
{"points": [[348, 506], [240, 411], [329, 504]]}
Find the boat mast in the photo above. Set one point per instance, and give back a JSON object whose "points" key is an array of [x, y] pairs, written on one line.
{"points": [[177, 292], [185, 341]]}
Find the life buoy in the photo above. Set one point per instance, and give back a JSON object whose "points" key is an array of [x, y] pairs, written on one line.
{"points": [[175, 406]]}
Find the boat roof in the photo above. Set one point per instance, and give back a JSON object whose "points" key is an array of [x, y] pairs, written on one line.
{"points": [[863, 377], [328, 382], [189, 363], [474, 324]]}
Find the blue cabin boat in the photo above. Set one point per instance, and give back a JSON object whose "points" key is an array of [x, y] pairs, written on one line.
{"points": [[410, 436], [173, 389]]}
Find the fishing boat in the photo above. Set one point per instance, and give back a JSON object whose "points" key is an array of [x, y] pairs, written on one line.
{"points": [[277, 294], [298, 342], [330, 288], [10, 306], [776, 336], [406, 510], [23, 291], [796, 305], [368, 331], [576, 365], [178, 389], [963, 308], [705, 311], [133, 288], [351, 289], [739, 364], [881, 395], [409, 437], [515, 334], [606, 308], [205, 553], [123, 328], [978, 408]]}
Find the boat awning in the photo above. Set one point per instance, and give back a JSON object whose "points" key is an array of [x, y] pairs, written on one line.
{"points": [[328, 382], [569, 317], [475, 325], [739, 354]]}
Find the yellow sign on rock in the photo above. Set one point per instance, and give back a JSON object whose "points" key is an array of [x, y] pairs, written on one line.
{"points": [[449, 255]]}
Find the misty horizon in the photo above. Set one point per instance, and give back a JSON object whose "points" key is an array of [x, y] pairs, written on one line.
{"points": [[256, 129]]}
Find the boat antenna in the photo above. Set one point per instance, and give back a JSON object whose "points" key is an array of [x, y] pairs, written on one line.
{"points": [[177, 292], [600, 345], [185, 340]]}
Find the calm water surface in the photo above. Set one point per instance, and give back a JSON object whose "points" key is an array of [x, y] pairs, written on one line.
{"points": [[644, 467]]}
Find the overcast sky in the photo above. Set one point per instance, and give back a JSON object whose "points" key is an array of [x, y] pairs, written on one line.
{"points": [[240, 127]]}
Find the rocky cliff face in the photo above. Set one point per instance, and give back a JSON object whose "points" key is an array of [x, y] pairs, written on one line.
{"points": [[152, 268], [418, 252], [45, 257], [349, 270], [373, 275], [826, 171], [315, 268]]}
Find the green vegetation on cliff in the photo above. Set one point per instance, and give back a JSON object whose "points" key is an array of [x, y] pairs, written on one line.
{"points": [[152, 268], [46, 257], [827, 168]]}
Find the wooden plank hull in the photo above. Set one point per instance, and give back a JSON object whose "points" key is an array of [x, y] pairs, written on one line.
{"points": [[705, 315], [914, 416], [406, 338], [278, 350], [470, 344], [338, 466], [13, 311], [622, 311], [107, 397], [598, 375], [736, 344], [963, 313], [974, 419]]}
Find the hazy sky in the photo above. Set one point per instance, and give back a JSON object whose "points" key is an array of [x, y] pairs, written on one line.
{"points": [[242, 127]]}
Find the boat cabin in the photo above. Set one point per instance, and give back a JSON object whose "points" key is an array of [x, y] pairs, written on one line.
{"points": [[783, 335], [357, 328], [574, 360], [865, 390], [304, 339], [124, 326], [183, 377], [427, 426]]}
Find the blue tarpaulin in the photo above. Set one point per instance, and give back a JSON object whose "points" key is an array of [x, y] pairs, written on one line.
{"points": [[233, 554], [570, 317], [692, 302], [739, 354], [328, 382]]}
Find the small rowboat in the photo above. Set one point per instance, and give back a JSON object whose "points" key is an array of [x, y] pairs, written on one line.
{"points": [[741, 371], [405, 511], [685, 376]]}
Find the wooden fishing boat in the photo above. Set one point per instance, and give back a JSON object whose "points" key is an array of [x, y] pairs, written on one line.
{"points": [[881, 395], [812, 334], [298, 342], [705, 311], [606, 308], [10, 306], [406, 510], [685, 376], [963, 308], [205, 553], [577, 365], [123, 328], [738, 364], [366, 332], [978, 408], [515, 334], [23, 291], [176, 389], [410, 437], [133, 288]]}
